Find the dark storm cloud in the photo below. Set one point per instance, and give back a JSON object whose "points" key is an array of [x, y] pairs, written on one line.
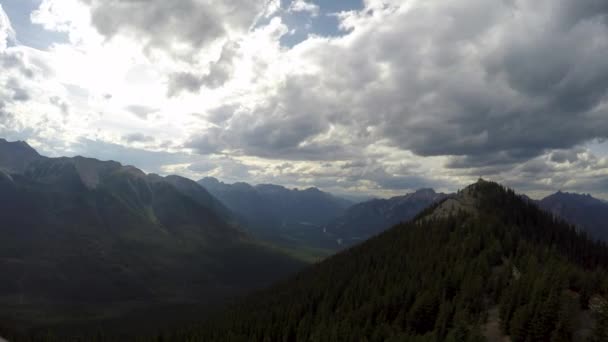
{"points": [[493, 159], [167, 25], [563, 156], [573, 12]]}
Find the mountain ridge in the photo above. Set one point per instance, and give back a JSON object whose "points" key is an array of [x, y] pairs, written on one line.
{"points": [[85, 242], [366, 219], [501, 268], [292, 218], [15, 156], [588, 213]]}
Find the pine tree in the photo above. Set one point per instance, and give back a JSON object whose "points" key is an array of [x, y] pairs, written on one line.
{"points": [[600, 331]]}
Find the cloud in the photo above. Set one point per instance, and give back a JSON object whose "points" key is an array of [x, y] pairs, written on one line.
{"points": [[483, 83], [19, 93], [222, 114], [563, 156], [219, 72], [5, 116], [183, 81], [291, 124], [141, 111], [303, 6], [137, 138], [208, 143], [486, 86], [577, 169], [227, 168], [61, 104], [178, 27], [15, 60], [202, 167], [7, 33], [149, 161]]}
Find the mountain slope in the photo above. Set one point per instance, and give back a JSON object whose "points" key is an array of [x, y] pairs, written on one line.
{"points": [[290, 218], [15, 156], [364, 220], [590, 214], [85, 242], [481, 264]]}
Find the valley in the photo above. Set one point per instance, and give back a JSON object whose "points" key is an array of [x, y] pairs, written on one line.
{"points": [[303, 171]]}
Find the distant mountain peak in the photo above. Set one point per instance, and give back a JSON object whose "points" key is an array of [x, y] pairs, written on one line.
{"points": [[271, 187], [369, 218], [16, 156], [588, 198], [18, 144], [209, 180], [423, 193]]}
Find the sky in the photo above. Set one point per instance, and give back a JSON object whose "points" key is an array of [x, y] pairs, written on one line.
{"points": [[357, 97]]}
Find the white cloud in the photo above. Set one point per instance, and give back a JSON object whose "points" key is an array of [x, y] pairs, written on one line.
{"points": [[7, 33], [304, 6]]}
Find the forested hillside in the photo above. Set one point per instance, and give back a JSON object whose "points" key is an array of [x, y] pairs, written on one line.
{"points": [[364, 220], [89, 245], [483, 264]]}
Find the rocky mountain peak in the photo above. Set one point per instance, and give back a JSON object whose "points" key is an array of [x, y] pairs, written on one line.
{"points": [[16, 156]]}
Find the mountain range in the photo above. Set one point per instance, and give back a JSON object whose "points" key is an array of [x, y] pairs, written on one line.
{"points": [[323, 224], [481, 265], [88, 244], [84, 241], [364, 220], [588, 213], [291, 218]]}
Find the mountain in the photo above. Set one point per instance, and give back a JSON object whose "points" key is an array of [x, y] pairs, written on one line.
{"points": [[364, 220], [86, 244], [15, 156], [289, 217], [482, 264], [584, 211], [196, 192]]}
